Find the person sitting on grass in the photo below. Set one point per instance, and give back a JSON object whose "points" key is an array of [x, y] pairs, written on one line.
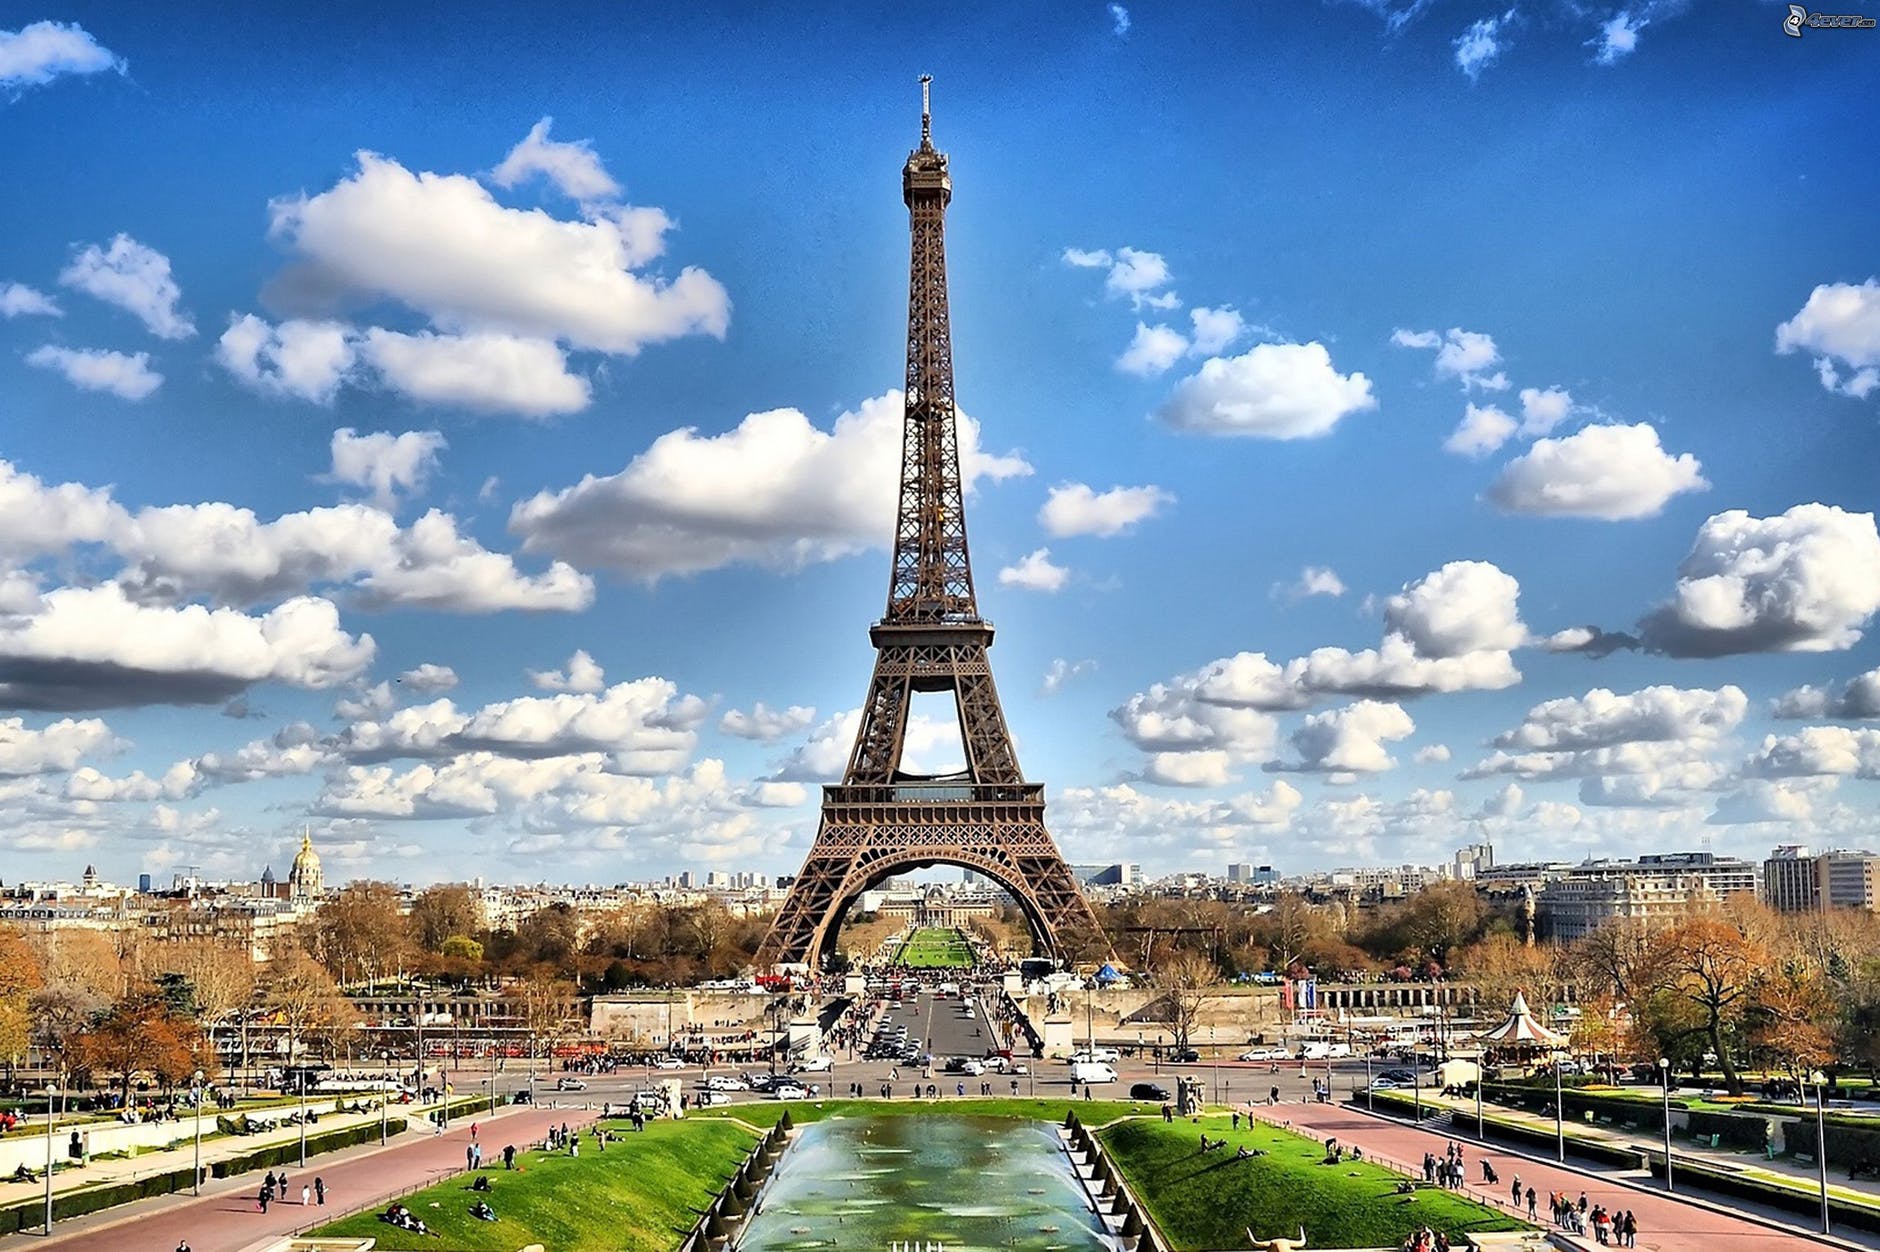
{"points": [[482, 1183], [482, 1212]]}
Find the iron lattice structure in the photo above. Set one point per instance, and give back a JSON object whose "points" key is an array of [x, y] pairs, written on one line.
{"points": [[881, 820]]}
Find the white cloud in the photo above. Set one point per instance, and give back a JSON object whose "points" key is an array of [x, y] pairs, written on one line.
{"points": [[1816, 751], [1153, 350], [36, 519], [1465, 607], [1858, 698], [429, 678], [1076, 509], [1601, 719], [1608, 472], [1349, 740], [1464, 355], [773, 491], [1273, 391], [1757, 800], [1119, 20], [572, 167], [439, 244], [19, 300], [583, 676], [179, 782], [1618, 36], [766, 724], [1215, 330], [231, 555], [1130, 273], [95, 369], [645, 726], [386, 465], [493, 373], [39, 52], [1314, 580], [932, 746], [1541, 411], [1120, 821], [372, 702], [1839, 323], [59, 746], [92, 647], [1806, 581], [1035, 572], [1482, 430], [137, 279], [1433, 754], [1061, 671], [301, 358], [1479, 45]]}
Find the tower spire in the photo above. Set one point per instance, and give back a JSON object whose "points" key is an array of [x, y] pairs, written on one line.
{"points": [[926, 111]]}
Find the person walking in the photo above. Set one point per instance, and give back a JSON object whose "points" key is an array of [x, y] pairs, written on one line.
{"points": [[306, 1196], [267, 1194], [1515, 1191], [1533, 1204], [1628, 1230], [319, 1190]]}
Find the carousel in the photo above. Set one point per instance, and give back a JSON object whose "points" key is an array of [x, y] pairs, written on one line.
{"points": [[1521, 1041]]}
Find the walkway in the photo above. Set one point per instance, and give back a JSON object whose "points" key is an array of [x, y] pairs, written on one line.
{"points": [[1666, 1223], [226, 1218]]}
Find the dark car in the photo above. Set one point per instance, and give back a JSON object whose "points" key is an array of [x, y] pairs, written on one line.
{"points": [[1187, 1057], [1149, 1091]]}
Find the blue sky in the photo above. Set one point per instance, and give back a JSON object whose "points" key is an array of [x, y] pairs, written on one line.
{"points": [[1438, 421]]}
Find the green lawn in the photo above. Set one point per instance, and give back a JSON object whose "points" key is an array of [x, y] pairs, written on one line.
{"points": [[1209, 1201], [934, 947], [643, 1191]]}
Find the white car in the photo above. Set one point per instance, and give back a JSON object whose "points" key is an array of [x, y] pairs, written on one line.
{"points": [[1102, 1056], [570, 1084], [972, 1069], [789, 1093], [1266, 1054], [704, 1099], [813, 1065], [669, 1062], [724, 1082]]}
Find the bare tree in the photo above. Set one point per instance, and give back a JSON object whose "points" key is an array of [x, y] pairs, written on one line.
{"points": [[1187, 981]]}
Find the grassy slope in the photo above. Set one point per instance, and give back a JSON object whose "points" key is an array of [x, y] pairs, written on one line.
{"points": [[642, 1192], [1210, 1201], [1093, 1112]]}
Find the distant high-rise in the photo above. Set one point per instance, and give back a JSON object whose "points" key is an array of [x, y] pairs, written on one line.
{"points": [[1796, 882], [1239, 872]]}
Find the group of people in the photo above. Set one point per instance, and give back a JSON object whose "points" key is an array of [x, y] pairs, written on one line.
{"points": [[1426, 1240], [1611, 1228], [273, 1188], [1449, 1170], [403, 1218]]}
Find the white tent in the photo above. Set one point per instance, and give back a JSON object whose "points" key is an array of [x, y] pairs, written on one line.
{"points": [[1522, 1030]]}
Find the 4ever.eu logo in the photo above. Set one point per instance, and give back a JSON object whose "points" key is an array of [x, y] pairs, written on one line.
{"points": [[1800, 17]]}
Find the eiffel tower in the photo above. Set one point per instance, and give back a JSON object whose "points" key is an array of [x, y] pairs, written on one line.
{"points": [[881, 820]]}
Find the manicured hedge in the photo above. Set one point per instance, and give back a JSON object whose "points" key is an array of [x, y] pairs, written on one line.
{"points": [[1514, 1132], [1860, 1217], [282, 1153], [1846, 1144]]}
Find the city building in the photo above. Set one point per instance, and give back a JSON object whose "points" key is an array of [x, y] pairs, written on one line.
{"points": [[1656, 888], [1794, 881], [306, 881]]}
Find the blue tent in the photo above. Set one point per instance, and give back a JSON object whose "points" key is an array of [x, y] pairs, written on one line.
{"points": [[1107, 974]]}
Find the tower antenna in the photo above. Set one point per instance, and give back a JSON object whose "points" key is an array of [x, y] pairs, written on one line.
{"points": [[926, 110]]}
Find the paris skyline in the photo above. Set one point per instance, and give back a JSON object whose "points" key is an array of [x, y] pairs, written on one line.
{"points": [[1355, 391]]}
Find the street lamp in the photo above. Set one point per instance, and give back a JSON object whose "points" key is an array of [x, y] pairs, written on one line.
{"points": [[385, 1097], [1480, 1132], [52, 1091], [1664, 1081], [1821, 1149], [303, 1119], [1370, 1104], [196, 1087], [1560, 1115]]}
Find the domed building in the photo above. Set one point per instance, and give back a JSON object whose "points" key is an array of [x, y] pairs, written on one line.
{"points": [[305, 881]]}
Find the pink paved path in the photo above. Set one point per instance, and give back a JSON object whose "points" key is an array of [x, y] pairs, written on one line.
{"points": [[229, 1221], [1665, 1223]]}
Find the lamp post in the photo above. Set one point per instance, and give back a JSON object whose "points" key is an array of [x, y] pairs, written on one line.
{"points": [[303, 1119], [1821, 1149], [1664, 1081], [385, 1097], [1560, 1116], [196, 1087], [1480, 1132], [52, 1091], [1370, 1104]]}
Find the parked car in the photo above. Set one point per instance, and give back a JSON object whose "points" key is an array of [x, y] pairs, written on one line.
{"points": [[669, 1062], [1101, 1055], [813, 1065], [708, 1097], [1092, 1071], [570, 1084], [1268, 1053], [725, 1082], [789, 1092], [1149, 1091], [1187, 1056]]}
